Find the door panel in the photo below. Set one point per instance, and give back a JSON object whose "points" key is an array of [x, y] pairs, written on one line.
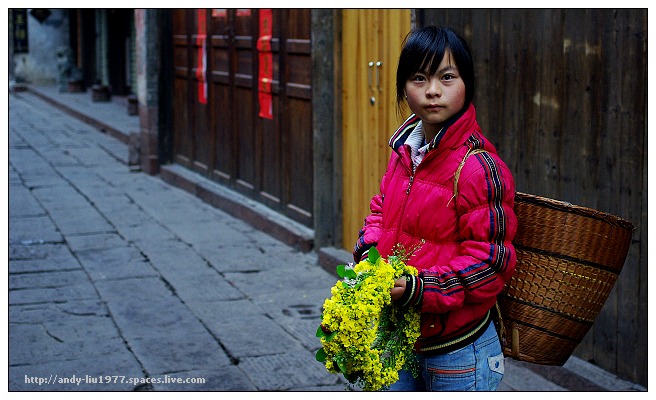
{"points": [[221, 92], [182, 138]]}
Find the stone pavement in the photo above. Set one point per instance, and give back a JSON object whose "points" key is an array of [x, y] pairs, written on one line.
{"points": [[119, 281]]}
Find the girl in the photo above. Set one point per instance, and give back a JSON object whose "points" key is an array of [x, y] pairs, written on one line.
{"points": [[465, 252]]}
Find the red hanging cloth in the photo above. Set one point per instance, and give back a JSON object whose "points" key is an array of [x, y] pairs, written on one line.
{"points": [[201, 65], [266, 64]]}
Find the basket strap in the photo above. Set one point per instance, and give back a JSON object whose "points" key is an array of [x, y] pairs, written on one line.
{"points": [[514, 347], [501, 328], [456, 176]]}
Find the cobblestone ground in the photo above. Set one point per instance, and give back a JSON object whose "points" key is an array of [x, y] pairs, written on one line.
{"points": [[123, 282]]}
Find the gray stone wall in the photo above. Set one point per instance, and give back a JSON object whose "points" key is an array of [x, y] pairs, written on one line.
{"points": [[39, 66]]}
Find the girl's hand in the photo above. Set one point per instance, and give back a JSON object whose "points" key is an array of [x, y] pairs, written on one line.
{"points": [[398, 289]]}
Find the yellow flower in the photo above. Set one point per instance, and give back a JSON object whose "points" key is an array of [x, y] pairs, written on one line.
{"points": [[355, 331]]}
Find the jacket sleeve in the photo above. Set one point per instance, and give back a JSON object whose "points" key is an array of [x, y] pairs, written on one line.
{"points": [[487, 225], [371, 230]]}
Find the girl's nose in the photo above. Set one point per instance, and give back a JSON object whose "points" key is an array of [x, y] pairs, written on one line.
{"points": [[434, 88]]}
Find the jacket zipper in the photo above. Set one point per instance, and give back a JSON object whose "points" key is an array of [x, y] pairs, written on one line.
{"points": [[405, 202], [412, 178]]}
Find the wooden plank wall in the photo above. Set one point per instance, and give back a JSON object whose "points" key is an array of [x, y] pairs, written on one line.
{"points": [[563, 96]]}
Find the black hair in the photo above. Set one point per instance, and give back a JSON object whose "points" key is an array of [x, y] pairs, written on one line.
{"points": [[423, 50]]}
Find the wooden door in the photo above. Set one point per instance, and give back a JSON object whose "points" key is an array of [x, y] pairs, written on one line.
{"points": [[372, 41], [218, 129]]}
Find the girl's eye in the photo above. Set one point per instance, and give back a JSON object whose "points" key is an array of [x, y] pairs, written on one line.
{"points": [[418, 78]]}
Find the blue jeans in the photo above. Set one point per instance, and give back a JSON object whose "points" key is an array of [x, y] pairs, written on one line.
{"points": [[478, 366]]}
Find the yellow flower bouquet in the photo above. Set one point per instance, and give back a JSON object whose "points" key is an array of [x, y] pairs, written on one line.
{"points": [[363, 335]]}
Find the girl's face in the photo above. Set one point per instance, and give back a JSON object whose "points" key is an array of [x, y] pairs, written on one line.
{"points": [[436, 98]]}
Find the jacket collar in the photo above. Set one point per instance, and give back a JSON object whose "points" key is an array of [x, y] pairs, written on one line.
{"points": [[403, 132], [454, 132]]}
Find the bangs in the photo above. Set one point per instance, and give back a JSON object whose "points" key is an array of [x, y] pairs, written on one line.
{"points": [[432, 62], [425, 53]]}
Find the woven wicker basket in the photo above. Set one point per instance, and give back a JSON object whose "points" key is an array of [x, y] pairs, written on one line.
{"points": [[568, 259]]}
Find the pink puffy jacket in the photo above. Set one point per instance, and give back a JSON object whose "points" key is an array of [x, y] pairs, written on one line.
{"points": [[468, 253]]}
